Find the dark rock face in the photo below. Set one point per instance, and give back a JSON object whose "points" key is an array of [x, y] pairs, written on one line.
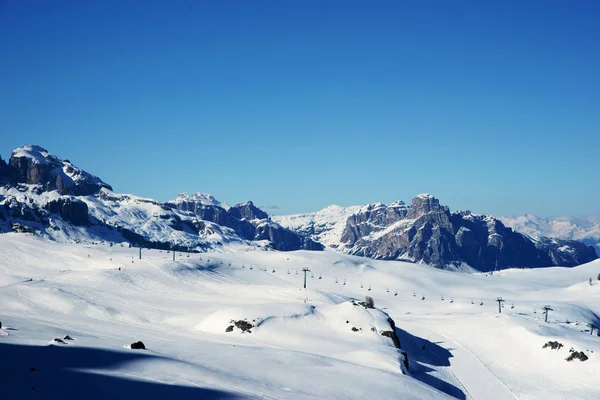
{"points": [[70, 209], [34, 165], [6, 173], [16, 211], [247, 211], [565, 252], [427, 232], [283, 239]]}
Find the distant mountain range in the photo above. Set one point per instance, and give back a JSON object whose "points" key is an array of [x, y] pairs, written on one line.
{"points": [[55, 199], [585, 229]]}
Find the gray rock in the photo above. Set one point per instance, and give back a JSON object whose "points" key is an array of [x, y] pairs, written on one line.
{"points": [[247, 211], [70, 209], [428, 232]]}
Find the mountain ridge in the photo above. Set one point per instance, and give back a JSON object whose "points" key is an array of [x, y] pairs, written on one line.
{"points": [[426, 231], [45, 194]]}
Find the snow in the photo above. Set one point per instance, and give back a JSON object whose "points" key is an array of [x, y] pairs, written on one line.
{"points": [[424, 196], [146, 216], [202, 198], [296, 349], [326, 225], [38, 154]]}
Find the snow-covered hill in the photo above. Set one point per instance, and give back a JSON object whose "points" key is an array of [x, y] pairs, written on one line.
{"points": [[325, 226], [302, 344], [585, 229]]}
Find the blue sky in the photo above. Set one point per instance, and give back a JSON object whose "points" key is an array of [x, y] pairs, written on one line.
{"points": [[492, 106]]}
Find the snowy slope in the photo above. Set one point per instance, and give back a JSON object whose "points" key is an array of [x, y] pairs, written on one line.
{"points": [[585, 229], [326, 225], [296, 349], [109, 214], [180, 310]]}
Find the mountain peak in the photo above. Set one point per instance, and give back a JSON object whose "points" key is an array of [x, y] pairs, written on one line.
{"points": [[201, 198], [424, 196], [38, 154], [248, 211], [34, 165], [423, 204]]}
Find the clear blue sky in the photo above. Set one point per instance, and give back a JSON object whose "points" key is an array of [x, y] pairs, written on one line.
{"points": [[492, 106]]}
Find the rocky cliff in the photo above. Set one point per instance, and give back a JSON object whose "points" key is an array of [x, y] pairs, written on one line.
{"points": [[247, 220], [34, 165], [426, 231]]}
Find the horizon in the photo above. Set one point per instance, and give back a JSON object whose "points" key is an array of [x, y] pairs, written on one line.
{"points": [[488, 107]]}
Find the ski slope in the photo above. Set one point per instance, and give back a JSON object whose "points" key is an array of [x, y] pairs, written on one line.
{"points": [[302, 345]]}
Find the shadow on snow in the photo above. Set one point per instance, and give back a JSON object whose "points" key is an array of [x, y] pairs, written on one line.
{"points": [[57, 376], [434, 355]]}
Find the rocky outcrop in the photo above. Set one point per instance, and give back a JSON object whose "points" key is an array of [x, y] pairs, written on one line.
{"points": [[34, 165], [217, 215], [373, 218], [428, 232], [424, 204], [247, 211], [424, 237], [70, 209]]}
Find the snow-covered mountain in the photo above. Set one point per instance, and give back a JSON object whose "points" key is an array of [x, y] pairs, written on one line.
{"points": [[585, 229], [428, 232], [54, 198]]}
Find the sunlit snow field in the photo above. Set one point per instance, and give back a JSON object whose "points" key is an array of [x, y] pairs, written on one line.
{"points": [[302, 344]]}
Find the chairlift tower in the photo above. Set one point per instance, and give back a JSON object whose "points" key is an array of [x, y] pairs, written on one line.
{"points": [[305, 270], [546, 309], [500, 301]]}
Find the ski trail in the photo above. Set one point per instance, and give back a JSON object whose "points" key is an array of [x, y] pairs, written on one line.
{"points": [[477, 379]]}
